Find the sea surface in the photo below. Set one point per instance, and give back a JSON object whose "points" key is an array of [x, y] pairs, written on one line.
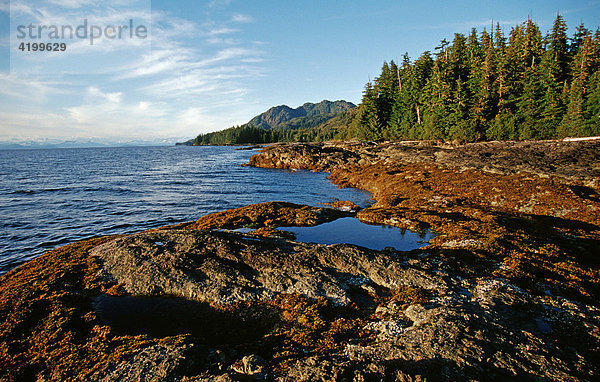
{"points": [[51, 197]]}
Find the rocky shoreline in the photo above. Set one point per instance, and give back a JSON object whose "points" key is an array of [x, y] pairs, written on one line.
{"points": [[507, 290]]}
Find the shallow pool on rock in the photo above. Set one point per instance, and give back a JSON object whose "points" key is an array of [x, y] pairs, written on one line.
{"points": [[353, 231]]}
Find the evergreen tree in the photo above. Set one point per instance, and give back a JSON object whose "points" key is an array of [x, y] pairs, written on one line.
{"points": [[386, 87], [584, 64], [577, 40], [436, 114], [528, 104], [367, 125], [555, 71], [592, 106], [476, 87]]}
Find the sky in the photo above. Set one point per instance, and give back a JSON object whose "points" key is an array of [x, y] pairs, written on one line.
{"points": [[181, 68]]}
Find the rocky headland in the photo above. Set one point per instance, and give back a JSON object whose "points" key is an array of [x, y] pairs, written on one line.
{"points": [[508, 289]]}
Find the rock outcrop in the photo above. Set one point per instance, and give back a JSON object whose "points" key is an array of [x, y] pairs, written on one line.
{"points": [[570, 160], [474, 328], [507, 290]]}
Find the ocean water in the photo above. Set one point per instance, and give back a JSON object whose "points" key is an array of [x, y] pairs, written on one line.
{"points": [[51, 197]]}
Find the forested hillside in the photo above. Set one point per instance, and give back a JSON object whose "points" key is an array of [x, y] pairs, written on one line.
{"points": [[305, 116], [281, 124], [251, 134], [489, 86], [484, 86]]}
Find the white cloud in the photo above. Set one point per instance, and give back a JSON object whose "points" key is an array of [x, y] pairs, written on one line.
{"points": [[186, 84], [166, 28], [220, 31], [155, 62], [72, 3], [31, 124], [214, 82], [77, 14], [15, 85], [4, 6], [202, 119], [219, 3], [112, 98], [230, 54], [174, 73], [18, 8], [239, 18], [109, 116], [222, 41]]}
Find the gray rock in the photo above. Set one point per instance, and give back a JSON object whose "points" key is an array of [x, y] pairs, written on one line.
{"points": [[250, 365], [155, 363], [228, 267], [470, 329]]}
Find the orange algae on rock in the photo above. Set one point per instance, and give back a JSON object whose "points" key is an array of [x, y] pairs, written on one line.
{"points": [[507, 203], [510, 279], [48, 326], [267, 215]]}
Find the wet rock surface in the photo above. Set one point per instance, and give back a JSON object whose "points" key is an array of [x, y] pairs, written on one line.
{"points": [[571, 160], [507, 290], [224, 267]]}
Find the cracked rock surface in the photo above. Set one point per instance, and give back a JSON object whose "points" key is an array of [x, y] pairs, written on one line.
{"points": [[507, 290], [465, 329]]}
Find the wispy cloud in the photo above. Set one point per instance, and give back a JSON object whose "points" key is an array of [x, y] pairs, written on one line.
{"points": [[185, 84], [73, 4], [221, 31], [79, 13], [32, 124], [155, 62], [175, 71], [229, 54], [222, 41], [112, 98], [215, 82], [28, 87], [106, 113], [240, 18], [167, 28], [219, 3]]}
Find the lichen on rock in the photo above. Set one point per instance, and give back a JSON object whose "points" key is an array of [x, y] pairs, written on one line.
{"points": [[507, 290]]}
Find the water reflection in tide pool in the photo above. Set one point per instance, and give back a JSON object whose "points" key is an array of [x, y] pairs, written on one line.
{"points": [[353, 231]]}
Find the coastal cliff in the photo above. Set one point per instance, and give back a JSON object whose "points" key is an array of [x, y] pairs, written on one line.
{"points": [[508, 289]]}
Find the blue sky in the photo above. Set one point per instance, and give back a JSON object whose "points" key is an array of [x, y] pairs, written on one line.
{"points": [[207, 65]]}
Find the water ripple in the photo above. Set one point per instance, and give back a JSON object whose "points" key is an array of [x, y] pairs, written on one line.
{"points": [[52, 197]]}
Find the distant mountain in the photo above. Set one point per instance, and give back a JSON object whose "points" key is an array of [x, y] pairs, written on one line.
{"points": [[281, 124], [82, 143], [306, 116], [48, 144], [10, 146]]}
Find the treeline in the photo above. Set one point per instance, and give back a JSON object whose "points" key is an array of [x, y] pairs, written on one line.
{"points": [[252, 134], [486, 87]]}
